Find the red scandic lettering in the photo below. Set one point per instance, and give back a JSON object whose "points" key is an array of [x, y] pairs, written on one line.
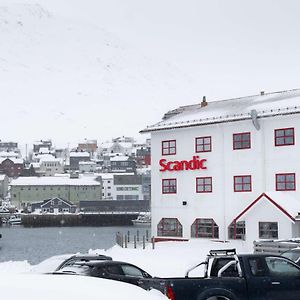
{"points": [[201, 162], [193, 164], [162, 164]]}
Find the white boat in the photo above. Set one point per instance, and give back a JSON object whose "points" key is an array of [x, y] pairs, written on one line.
{"points": [[142, 220], [14, 220]]}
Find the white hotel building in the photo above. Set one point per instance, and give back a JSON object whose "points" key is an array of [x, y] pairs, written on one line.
{"points": [[228, 169]]}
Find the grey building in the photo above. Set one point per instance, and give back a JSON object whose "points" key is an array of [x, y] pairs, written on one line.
{"points": [[26, 190], [76, 157], [53, 205], [122, 163]]}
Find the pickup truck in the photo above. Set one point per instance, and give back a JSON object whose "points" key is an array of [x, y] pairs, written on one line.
{"points": [[229, 276]]}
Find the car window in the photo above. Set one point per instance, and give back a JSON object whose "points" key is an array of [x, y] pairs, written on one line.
{"points": [[78, 269], [132, 271], [281, 267], [293, 255], [114, 269], [256, 266]]}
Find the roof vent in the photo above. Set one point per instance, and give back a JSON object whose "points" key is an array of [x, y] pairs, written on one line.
{"points": [[203, 103], [262, 93]]}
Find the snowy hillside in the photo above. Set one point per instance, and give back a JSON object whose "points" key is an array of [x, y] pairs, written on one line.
{"points": [[68, 79]]}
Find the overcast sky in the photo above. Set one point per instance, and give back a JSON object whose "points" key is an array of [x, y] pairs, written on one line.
{"points": [[222, 49]]}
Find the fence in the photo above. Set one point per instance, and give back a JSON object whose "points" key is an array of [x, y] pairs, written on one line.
{"points": [[274, 247], [135, 240]]}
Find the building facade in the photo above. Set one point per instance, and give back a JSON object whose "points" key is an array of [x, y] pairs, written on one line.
{"points": [[228, 169], [26, 190]]}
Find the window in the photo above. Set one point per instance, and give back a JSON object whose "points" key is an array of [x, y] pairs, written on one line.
{"points": [[132, 271], [203, 144], [284, 137], [169, 147], [205, 228], [204, 184], [257, 266], [268, 230], [237, 230], [241, 141], [169, 227], [285, 182], [281, 267], [242, 183], [169, 186]]}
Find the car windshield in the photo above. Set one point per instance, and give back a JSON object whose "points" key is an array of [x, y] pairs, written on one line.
{"points": [[76, 269]]}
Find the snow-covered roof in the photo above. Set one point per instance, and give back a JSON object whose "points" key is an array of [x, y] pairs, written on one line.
{"points": [[119, 158], [2, 176], [9, 154], [79, 154], [54, 181], [87, 163], [265, 105], [13, 159]]}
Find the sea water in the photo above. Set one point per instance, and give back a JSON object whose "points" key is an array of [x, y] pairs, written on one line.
{"points": [[36, 244]]}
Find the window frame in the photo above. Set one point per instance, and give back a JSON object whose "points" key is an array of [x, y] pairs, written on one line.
{"points": [[161, 232], [211, 225], [204, 185], [167, 149], [243, 189], [237, 230], [242, 134], [284, 137], [269, 237], [203, 144], [169, 186], [285, 182]]}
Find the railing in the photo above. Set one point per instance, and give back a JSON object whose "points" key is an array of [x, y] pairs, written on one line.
{"points": [[274, 247], [135, 240]]}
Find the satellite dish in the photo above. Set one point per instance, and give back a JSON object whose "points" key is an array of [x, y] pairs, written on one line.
{"points": [[254, 119]]}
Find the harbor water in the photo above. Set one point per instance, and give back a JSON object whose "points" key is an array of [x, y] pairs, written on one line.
{"points": [[37, 244]]}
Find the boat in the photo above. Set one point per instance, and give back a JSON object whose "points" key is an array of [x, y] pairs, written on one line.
{"points": [[14, 220], [142, 220]]}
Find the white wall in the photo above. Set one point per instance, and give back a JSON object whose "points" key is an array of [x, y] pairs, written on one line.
{"points": [[262, 162]]}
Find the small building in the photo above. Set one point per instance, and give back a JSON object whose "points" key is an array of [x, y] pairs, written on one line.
{"points": [[12, 167], [127, 187], [123, 164], [46, 144], [76, 157], [87, 166], [9, 146], [53, 206]]}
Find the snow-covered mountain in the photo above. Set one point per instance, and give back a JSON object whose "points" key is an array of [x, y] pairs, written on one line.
{"points": [[68, 79]]}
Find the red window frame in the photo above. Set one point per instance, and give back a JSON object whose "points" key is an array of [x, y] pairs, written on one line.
{"points": [[205, 183], [244, 140], [285, 136], [242, 183], [202, 142], [205, 228], [285, 182], [166, 147], [169, 227], [167, 187]]}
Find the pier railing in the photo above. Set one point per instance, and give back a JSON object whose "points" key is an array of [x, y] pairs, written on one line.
{"points": [[134, 240]]}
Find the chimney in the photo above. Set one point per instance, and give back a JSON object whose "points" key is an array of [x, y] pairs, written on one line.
{"points": [[203, 103], [262, 93]]}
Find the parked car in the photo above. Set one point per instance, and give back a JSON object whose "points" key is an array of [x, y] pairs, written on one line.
{"points": [[293, 254], [114, 270], [229, 276], [82, 258]]}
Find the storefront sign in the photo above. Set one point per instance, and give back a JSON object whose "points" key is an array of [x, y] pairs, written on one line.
{"points": [[193, 164]]}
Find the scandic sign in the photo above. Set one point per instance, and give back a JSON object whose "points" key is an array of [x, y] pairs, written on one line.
{"points": [[193, 164]]}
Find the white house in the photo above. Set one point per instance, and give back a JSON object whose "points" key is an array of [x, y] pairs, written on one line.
{"points": [[228, 169]]}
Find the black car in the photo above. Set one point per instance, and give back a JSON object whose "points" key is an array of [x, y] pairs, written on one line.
{"points": [[82, 258], [114, 270], [292, 254]]}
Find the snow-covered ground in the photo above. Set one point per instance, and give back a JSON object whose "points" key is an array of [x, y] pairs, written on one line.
{"points": [[168, 259]]}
